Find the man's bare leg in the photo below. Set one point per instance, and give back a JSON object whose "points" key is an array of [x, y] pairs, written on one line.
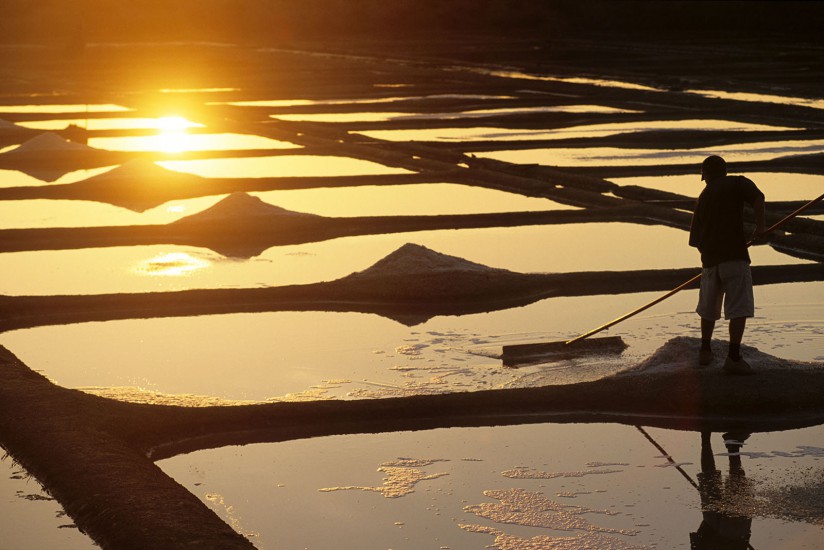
{"points": [[737, 327], [705, 355]]}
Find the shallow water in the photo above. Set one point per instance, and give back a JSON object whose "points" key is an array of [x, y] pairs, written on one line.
{"points": [[114, 123], [520, 75], [263, 356], [63, 108], [15, 178], [371, 200], [761, 98], [776, 186], [602, 485], [281, 166], [354, 101], [613, 156], [174, 142], [25, 504], [585, 131], [609, 247], [380, 116]]}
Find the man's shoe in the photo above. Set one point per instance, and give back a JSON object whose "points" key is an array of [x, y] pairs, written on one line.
{"points": [[740, 367], [704, 357]]}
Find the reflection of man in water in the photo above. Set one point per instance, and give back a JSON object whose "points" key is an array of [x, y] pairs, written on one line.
{"points": [[718, 232], [726, 523]]}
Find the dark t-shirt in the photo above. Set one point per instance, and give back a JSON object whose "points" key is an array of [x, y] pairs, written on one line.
{"points": [[718, 221]]}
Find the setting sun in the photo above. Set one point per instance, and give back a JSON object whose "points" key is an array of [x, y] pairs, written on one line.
{"points": [[174, 124], [172, 136]]}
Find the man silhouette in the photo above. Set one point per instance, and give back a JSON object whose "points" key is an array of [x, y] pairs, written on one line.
{"points": [[717, 231]]}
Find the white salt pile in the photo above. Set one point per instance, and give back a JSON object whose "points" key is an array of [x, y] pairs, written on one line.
{"points": [[414, 259]]}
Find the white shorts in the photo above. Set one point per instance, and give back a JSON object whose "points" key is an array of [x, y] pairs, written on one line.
{"points": [[730, 283]]}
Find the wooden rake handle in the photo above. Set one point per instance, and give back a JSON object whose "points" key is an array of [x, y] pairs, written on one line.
{"points": [[685, 284]]}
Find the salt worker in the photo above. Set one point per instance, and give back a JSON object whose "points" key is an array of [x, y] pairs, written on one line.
{"points": [[717, 231]]}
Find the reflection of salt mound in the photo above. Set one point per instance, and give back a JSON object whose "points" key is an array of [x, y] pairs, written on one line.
{"points": [[49, 142], [240, 207], [414, 271], [138, 170], [137, 184], [6, 125]]}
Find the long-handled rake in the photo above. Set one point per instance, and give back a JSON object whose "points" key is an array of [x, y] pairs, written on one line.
{"points": [[524, 353]]}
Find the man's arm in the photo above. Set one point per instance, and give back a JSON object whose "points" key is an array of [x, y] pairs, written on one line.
{"points": [[759, 236]]}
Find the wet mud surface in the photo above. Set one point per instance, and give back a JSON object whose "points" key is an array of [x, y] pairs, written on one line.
{"points": [[96, 456]]}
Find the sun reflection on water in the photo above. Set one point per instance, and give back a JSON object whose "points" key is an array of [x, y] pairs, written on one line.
{"points": [[172, 264]]}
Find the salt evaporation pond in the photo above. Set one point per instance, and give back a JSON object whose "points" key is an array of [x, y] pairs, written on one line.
{"points": [[590, 478], [599, 486], [179, 142], [482, 133], [353, 101], [114, 123], [281, 166], [761, 98], [64, 108], [383, 116], [613, 156], [775, 185], [369, 200], [23, 504], [561, 248], [264, 356], [15, 178], [251, 167]]}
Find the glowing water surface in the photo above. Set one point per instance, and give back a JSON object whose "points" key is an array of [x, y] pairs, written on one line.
{"points": [[24, 504], [352, 101], [776, 186], [415, 199], [114, 123], [15, 178], [585, 131], [386, 116], [315, 355], [613, 156], [530, 249], [281, 166], [196, 90], [407, 200], [761, 98], [599, 486], [520, 75], [181, 141], [63, 108]]}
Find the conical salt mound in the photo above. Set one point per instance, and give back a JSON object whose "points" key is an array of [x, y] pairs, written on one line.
{"points": [[48, 142], [414, 273], [241, 206], [414, 259]]}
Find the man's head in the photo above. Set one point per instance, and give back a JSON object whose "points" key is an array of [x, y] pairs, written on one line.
{"points": [[713, 167]]}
